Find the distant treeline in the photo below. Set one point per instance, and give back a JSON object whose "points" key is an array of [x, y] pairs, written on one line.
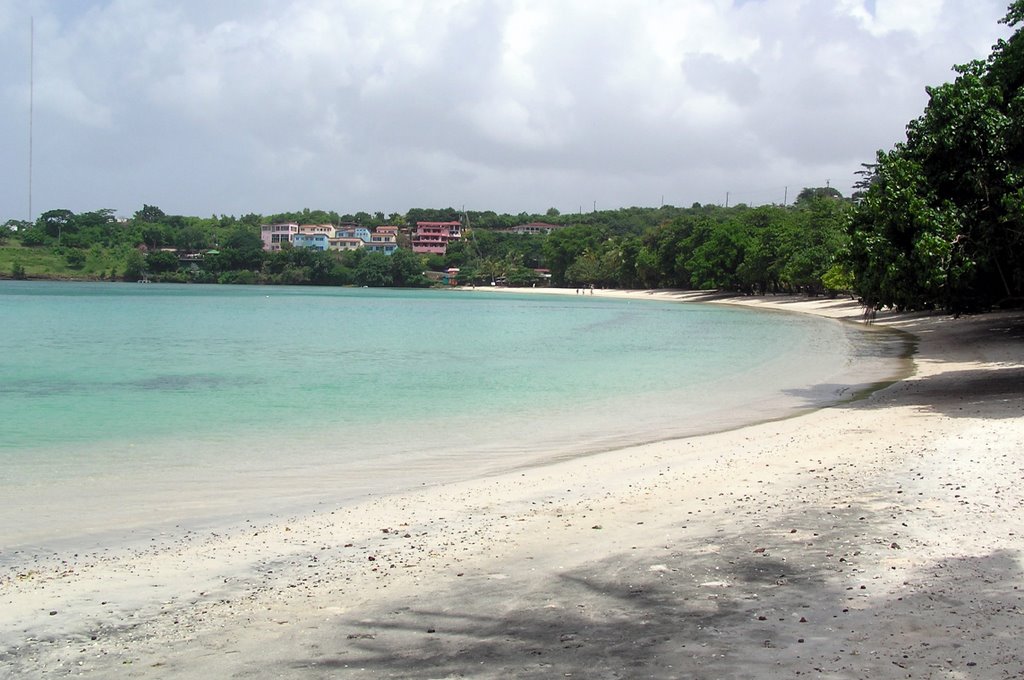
{"points": [[756, 250]]}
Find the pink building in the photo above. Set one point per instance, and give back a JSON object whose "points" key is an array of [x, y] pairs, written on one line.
{"points": [[433, 237], [274, 235]]}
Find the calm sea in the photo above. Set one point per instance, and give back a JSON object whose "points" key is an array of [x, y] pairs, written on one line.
{"points": [[129, 407]]}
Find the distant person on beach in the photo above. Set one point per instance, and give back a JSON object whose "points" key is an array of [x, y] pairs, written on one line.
{"points": [[869, 314]]}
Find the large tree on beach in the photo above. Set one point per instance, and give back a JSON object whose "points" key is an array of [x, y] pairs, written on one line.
{"points": [[941, 222]]}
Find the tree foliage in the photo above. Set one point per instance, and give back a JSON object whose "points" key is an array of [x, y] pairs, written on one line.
{"points": [[754, 250], [939, 223]]}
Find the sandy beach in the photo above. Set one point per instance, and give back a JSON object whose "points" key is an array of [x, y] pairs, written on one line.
{"points": [[880, 538]]}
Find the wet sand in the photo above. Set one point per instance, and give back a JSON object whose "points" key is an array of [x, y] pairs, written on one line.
{"points": [[878, 538]]}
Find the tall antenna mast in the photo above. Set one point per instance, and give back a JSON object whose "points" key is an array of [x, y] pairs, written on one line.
{"points": [[31, 102]]}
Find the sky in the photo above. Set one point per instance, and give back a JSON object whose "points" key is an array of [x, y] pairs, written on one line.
{"points": [[229, 107]]}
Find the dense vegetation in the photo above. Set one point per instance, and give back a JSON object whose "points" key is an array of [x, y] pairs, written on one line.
{"points": [[941, 221], [764, 249]]}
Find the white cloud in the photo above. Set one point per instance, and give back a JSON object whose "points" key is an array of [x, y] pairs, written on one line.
{"points": [[388, 104], [920, 17]]}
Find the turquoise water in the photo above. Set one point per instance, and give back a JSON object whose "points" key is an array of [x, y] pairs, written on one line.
{"points": [[127, 406]]}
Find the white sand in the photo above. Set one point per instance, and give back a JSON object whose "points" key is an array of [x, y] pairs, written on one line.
{"points": [[877, 539]]}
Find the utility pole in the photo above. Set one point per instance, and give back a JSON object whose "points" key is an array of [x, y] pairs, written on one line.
{"points": [[31, 102], [785, 196], [726, 199]]}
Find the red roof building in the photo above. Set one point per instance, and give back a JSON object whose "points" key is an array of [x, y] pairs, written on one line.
{"points": [[433, 237]]}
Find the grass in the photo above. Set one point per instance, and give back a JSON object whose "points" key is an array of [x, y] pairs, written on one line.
{"points": [[48, 262]]}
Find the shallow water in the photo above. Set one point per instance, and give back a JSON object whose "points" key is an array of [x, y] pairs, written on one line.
{"points": [[127, 408]]}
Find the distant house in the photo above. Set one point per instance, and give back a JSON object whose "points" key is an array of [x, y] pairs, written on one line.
{"points": [[350, 230], [383, 240], [345, 243], [386, 248], [327, 229], [533, 228], [383, 237], [190, 261], [315, 241], [433, 237], [449, 277], [273, 235]]}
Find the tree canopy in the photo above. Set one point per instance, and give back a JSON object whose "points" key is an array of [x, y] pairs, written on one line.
{"points": [[940, 221], [755, 250]]}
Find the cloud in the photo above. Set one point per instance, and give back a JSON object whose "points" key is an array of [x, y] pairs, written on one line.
{"points": [[232, 107]]}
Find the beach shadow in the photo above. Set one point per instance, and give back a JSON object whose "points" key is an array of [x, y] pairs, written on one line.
{"points": [[993, 393], [749, 604]]}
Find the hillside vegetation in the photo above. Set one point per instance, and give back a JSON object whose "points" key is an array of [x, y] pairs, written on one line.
{"points": [[763, 249]]}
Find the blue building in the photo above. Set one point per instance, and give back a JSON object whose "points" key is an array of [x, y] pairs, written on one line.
{"points": [[353, 231], [381, 247], [317, 241]]}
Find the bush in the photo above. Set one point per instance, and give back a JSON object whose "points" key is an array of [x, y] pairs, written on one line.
{"points": [[34, 237], [161, 261], [838, 279], [134, 265], [242, 277], [75, 258], [173, 277]]}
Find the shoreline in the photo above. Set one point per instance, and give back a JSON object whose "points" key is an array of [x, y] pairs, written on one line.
{"points": [[76, 509], [873, 538]]}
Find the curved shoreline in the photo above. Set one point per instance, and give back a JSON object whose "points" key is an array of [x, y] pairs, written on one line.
{"points": [[77, 510], [836, 543]]}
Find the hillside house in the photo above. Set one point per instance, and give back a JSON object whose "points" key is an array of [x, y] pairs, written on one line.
{"points": [[433, 237], [273, 235]]}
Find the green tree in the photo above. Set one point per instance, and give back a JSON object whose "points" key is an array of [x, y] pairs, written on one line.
{"points": [[75, 258], [939, 222], [374, 271], [760, 270], [150, 214], [193, 238], [33, 237], [244, 238], [563, 247], [134, 265], [816, 235], [156, 235], [56, 223], [808, 194], [903, 238], [407, 269], [161, 262], [716, 260], [11, 227]]}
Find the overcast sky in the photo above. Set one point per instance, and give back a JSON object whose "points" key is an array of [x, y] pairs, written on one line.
{"points": [[233, 106]]}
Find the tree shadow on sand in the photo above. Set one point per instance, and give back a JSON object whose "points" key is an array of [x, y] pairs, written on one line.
{"points": [[750, 604], [970, 393]]}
